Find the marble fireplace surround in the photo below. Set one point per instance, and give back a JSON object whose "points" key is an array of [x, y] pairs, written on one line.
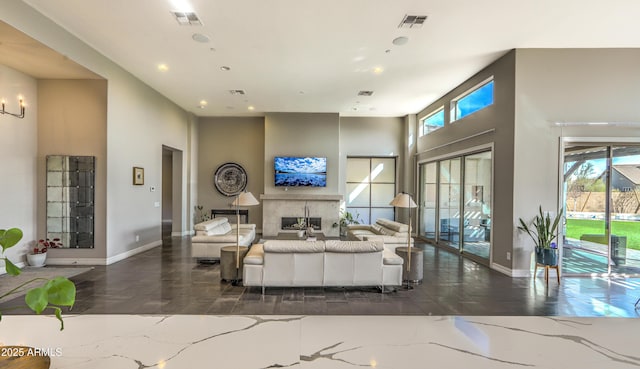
{"points": [[276, 206]]}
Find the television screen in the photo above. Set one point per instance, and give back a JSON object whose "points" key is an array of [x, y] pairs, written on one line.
{"points": [[300, 171]]}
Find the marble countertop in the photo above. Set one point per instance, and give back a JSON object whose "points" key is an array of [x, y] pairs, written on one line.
{"points": [[256, 342]]}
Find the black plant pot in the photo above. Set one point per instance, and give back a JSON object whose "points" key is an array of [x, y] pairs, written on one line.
{"points": [[547, 256]]}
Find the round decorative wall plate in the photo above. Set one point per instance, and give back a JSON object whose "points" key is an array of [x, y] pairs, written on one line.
{"points": [[230, 179]]}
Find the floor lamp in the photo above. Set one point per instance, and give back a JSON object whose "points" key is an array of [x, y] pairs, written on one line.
{"points": [[242, 199], [404, 200]]}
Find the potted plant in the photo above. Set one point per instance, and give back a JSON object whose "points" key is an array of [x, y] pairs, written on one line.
{"points": [[52, 294], [543, 232], [300, 226], [38, 256], [347, 218]]}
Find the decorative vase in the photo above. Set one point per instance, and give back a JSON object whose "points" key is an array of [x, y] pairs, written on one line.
{"points": [[546, 256], [309, 231], [300, 233], [37, 260]]}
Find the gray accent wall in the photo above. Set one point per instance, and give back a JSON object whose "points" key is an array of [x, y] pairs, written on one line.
{"points": [[73, 121], [493, 125], [238, 140], [373, 136], [302, 134]]}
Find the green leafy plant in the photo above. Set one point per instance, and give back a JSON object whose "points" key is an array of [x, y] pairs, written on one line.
{"points": [[347, 218], [53, 294], [542, 229], [200, 214]]}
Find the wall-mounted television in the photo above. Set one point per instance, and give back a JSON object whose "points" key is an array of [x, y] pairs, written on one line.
{"points": [[300, 171]]}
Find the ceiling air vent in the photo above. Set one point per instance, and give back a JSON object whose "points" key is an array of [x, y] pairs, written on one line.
{"points": [[187, 18], [365, 93], [412, 21], [236, 92]]}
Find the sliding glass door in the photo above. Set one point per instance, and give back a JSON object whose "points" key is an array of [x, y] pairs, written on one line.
{"points": [[477, 204], [455, 203], [428, 199], [602, 205]]}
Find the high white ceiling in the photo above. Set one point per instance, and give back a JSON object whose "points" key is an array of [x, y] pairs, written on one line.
{"points": [[314, 56]]}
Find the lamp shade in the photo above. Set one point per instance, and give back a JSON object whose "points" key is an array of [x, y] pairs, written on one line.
{"points": [[403, 200], [245, 199]]}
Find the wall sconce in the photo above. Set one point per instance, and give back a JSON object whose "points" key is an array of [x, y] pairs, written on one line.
{"points": [[20, 115]]}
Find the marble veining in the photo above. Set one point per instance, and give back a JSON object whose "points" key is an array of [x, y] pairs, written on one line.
{"points": [[261, 342]]}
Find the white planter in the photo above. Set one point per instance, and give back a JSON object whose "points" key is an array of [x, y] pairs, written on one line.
{"points": [[37, 260], [301, 233]]}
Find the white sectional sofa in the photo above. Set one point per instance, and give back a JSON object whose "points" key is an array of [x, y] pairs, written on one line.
{"points": [[216, 233], [279, 263], [392, 233]]}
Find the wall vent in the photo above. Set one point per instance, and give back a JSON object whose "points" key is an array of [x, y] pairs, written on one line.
{"points": [[187, 18], [237, 92], [412, 21], [365, 93]]}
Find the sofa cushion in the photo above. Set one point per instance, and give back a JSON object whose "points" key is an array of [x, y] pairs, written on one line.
{"points": [[391, 258], [286, 246], [223, 228], [392, 225], [210, 224], [378, 229], [353, 246], [255, 256]]}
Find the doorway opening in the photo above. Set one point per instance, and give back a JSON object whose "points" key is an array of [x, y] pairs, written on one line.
{"points": [[601, 198], [172, 204]]}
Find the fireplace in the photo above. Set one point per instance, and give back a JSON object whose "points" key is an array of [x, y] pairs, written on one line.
{"points": [[289, 223], [323, 209]]}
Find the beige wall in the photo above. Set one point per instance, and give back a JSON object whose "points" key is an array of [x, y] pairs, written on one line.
{"points": [[73, 121], [139, 122], [565, 85], [237, 140], [373, 136], [302, 134], [18, 161], [492, 126]]}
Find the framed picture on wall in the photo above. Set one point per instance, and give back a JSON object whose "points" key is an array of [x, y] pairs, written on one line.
{"points": [[138, 176]]}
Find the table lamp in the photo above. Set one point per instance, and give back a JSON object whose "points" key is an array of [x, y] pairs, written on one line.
{"points": [[242, 199]]}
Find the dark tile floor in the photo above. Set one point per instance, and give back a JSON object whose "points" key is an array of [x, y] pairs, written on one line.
{"points": [[165, 280]]}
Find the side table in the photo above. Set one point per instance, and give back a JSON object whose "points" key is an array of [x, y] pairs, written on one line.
{"points": [[228, 263], [416, 273]]}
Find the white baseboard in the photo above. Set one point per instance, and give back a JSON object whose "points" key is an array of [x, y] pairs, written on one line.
{"points": [[103, 261], [182, 234], [136, 251], [518, 273]]}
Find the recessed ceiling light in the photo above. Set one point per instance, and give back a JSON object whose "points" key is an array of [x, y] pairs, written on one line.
{"points": [[199, 37], [251, 107], [163, 67], [378, 70], [399, 41], [224, 68], [203, 102]]}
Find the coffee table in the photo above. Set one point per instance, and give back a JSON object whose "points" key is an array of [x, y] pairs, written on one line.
{"points": [[294, 236]]}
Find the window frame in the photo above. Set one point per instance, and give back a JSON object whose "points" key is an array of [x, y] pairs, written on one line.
{"points": [[453, 117], [427, 116]]}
